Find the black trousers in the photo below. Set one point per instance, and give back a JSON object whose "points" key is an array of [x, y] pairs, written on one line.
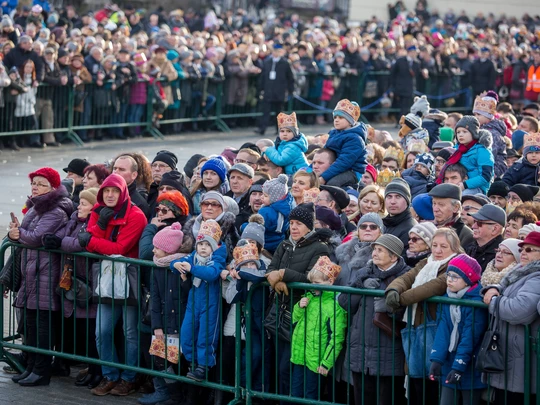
{"points": [[389, 392], [267, 108], [40, 332], [79, 337], [510, 398]]}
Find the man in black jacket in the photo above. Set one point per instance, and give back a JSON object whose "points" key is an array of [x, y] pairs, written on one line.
{"points": [[20, 54], [399, 221], [403, 77], [275, 82], [483, 73]]}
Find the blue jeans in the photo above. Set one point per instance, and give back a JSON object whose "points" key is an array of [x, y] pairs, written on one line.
{"points": [[106, 320], [311, 379]]}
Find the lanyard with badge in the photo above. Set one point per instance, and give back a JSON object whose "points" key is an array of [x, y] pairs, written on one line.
{"points": [[272, 75]]}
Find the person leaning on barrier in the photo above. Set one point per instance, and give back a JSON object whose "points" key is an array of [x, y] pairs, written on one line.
{"points": [[114, 228], [47, 209], [518, 294], [427, 279], [376, 360]]}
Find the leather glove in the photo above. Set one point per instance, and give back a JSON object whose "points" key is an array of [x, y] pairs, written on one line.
{"points": [[105, 216], [273, 277], [392, 299], [435, 370], [84, 238], [453, 377], [281, 287], [51, 241]]}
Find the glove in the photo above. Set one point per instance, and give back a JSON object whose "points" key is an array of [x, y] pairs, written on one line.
{"points": [[392, 299], [435, 370], [105, 216], [372, 283], [273, 277], [453, 377], [84, 238], [281, 287], [51, 241]]}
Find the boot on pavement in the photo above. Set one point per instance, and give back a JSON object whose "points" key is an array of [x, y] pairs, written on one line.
{"points": [[161, 393]]}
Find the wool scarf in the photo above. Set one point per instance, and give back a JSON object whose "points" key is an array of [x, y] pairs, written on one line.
{"points": [[455, 158], [166, 261], [492, 276], [426, 274], [455, 316]]}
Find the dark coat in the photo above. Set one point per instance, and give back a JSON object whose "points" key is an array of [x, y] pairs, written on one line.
{"points": [[40, 270], [138, 200], [400, 225], [483, 75], [521, 172], [276, 90], [17, 56], [403, 77], [464, 233], [52, 78], [245, 210], [351, 256], [483, 254], [497, 128]]}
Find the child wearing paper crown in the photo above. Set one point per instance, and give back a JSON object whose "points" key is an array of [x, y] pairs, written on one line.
{"points": [[169, 297], [319, 332], [525, 171], [290, 146], [473, 152], [459, 335], [277, 206], [348, 141], [200, 333]]}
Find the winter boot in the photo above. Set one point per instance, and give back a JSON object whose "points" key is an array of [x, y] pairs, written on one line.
{"points": [[198, 375], [161, 393]]}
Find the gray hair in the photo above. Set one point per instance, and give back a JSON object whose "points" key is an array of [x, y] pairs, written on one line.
{"points": [[25, 39], [455, 203]]}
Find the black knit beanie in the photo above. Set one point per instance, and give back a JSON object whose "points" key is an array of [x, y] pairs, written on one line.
{"points": [[304, 213]]}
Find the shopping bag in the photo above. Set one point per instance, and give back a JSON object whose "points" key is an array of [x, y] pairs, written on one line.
{"points": [[168, 348]]}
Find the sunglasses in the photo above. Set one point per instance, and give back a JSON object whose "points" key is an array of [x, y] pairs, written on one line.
{"points": [[415, 239], [366, 226], [481, 224], [211, 204], [528, 250], [162, 210]]}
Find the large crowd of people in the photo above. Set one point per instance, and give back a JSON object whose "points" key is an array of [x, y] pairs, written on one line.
{"points": [[451, 208]]}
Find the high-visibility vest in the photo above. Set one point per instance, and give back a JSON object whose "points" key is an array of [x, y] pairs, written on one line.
{"points": [[533, 79]]}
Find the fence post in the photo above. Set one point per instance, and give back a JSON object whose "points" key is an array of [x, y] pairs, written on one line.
{"points": [[150, 128], [71, 134], [219, 105]]}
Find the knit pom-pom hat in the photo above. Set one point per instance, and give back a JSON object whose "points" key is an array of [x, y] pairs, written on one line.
{"points": [[169, 239], [276, 188], [466, 267]]}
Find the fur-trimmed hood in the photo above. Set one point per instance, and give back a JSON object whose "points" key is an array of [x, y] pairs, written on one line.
{"points": [[47, 202], [435, 115], [519, 272], [485, 138]]}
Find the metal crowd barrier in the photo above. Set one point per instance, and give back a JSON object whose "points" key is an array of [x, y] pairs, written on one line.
{"points": [[253, 352]]}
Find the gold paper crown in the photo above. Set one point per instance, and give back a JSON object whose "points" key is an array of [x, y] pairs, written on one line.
{"points": [[532, 139], [348, 107], [386, 176], [285, 120], [311, 195], [325, 266], [487, 106], [396, 154], [417, 145], [210, 228], [244, 254]]}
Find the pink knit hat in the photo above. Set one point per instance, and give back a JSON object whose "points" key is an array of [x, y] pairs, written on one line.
{"points": [[170, 238], [466, 267]]}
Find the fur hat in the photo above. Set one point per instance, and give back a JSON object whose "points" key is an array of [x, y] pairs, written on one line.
{"points": [[326, 267], [471, 124], [245, 252], [89, 195], [50, 174], [175, 201], [210, 231], [349, 110], [420, 108], [467, 268], [169, 239], [276, 188], [254, 229]]}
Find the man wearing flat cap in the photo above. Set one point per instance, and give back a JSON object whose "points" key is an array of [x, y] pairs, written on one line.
{"points": [[447, 211], [74, 178], [488, 227], [337, 200]]}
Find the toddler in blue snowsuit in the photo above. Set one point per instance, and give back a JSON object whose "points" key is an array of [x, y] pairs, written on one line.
{"points": [[200, 329]]}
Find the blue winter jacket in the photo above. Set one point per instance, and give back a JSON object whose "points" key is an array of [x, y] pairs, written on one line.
{"points": [[10, 6], [275, 227], [350, 148], [417, 181], [471, 330], [521, 172], [497, 128], [289, 154], [479, 164]]}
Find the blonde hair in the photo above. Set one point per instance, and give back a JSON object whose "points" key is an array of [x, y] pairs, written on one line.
{"points": [[373, 188], [313, 178], [316, 275], [451, 237]]}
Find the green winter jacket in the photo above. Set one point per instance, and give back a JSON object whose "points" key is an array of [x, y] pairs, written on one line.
{"points": [[319, 332]]}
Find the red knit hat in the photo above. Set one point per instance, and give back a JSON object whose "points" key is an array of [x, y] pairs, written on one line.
{"points": [[49, 173], [372, 172], [175, 201], [467, 268], [169, 239]]}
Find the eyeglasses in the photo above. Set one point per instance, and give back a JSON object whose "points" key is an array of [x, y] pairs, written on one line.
{"points": [[481, 224], [162, 210], [453, 277], [158, 166], [39, 185], [528, 250], [440, 161], [372, 227], [468, 208], [247, 162], [211, 204], [322, 199], [504, 252]]}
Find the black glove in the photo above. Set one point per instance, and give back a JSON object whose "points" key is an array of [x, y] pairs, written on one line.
{"points": [[435, 370], [51, 241], [392, 299], [453, 377], [84, 238], [105, 216]]}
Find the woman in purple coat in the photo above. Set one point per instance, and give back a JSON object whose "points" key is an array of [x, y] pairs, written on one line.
{"points": [[47, 210]]}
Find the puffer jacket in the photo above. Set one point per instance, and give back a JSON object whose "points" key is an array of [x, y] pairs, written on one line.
{"points": [[519, 305], [289, 154], [350, 148], [417, 181], [497, 128], [471, 330], [479, 164], [521, 172], [372, 352], [41, 270], [351, 256], [82, 266], [319, 331], [276, 222]]}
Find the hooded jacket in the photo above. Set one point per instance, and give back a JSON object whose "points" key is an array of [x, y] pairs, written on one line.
{"points": [[521, 172], [121, 237], [289, 154], [498, 131], [350, 148], [479, 164], [276, 222]]}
